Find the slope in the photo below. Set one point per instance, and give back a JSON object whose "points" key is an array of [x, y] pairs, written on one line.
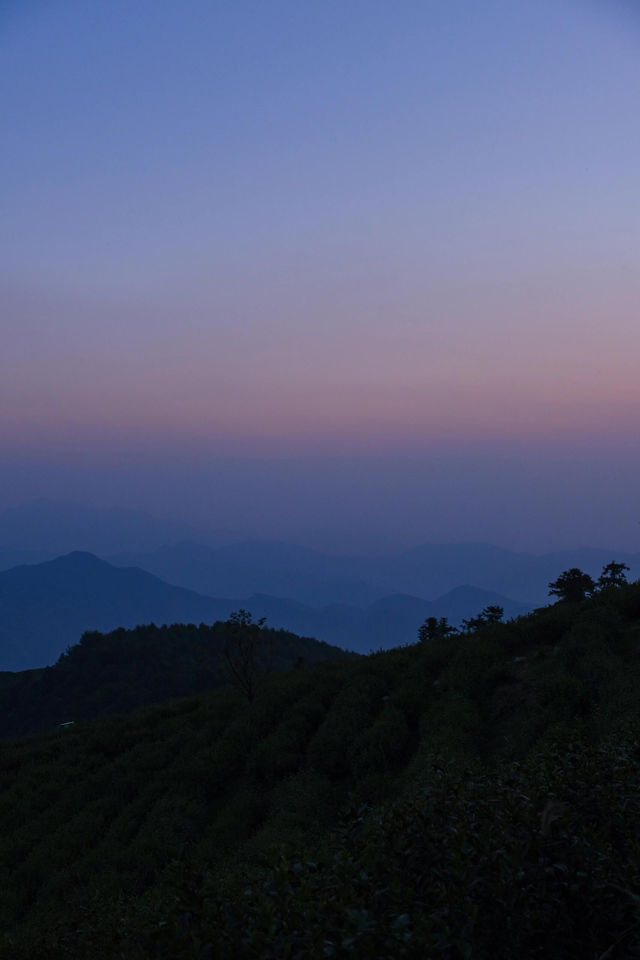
{"points": [[475, 796], [115, 672]]}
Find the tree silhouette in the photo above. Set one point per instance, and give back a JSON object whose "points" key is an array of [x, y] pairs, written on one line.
{"points": [[435, 629], [491, 614], [613, 575], [572, 585], [247, 652]]}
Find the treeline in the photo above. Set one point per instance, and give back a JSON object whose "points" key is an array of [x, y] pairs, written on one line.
{"points": [[107, 673], [471, 795], [572, 586]]}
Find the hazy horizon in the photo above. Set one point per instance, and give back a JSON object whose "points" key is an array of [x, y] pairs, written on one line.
{"points": [[335, 514]]}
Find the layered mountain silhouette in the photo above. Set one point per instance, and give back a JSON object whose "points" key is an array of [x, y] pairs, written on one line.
{"points": [[319, 579], [45, 608], [260, 566], [388, 622], [215, 563]]}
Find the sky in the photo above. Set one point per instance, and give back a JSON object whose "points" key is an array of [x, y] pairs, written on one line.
{"points": [[357, 274]]}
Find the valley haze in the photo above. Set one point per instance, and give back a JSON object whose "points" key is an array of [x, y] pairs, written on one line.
{"points": [[358, 602]]}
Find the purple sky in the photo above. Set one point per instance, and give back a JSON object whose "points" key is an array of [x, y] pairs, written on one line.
{"points": [[362, 272]]}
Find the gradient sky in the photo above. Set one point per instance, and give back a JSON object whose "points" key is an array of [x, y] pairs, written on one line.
{"points": [[360, 270]]}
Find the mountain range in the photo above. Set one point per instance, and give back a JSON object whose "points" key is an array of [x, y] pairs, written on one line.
{"points": [[318, 579], [152, 570], [46, 607], [218, 563]]}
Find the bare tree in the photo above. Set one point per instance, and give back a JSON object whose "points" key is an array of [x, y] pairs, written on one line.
{"points": [[247, 652]]}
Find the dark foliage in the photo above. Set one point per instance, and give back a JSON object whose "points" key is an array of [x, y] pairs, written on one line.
{"points": [[248, 652], [613, 575], [490, 614], [435, 628], [572, 586], [472, 796], [114, 672]]}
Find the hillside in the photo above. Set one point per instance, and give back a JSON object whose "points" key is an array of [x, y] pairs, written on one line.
{"points": [[475, 795], [107, 673], [118, 671]]}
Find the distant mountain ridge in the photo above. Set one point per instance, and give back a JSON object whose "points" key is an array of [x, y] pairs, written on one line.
{"points": [[44, 608], [217, 563], [318, 579], [388, 622], [259, 566]]}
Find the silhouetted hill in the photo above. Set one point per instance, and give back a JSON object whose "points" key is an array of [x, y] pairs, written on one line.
{"points": [[472, 795], [118, 671], [46, 607]]}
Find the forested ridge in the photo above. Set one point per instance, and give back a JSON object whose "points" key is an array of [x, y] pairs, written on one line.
{"points": [[474, 794], [107, 673]]}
